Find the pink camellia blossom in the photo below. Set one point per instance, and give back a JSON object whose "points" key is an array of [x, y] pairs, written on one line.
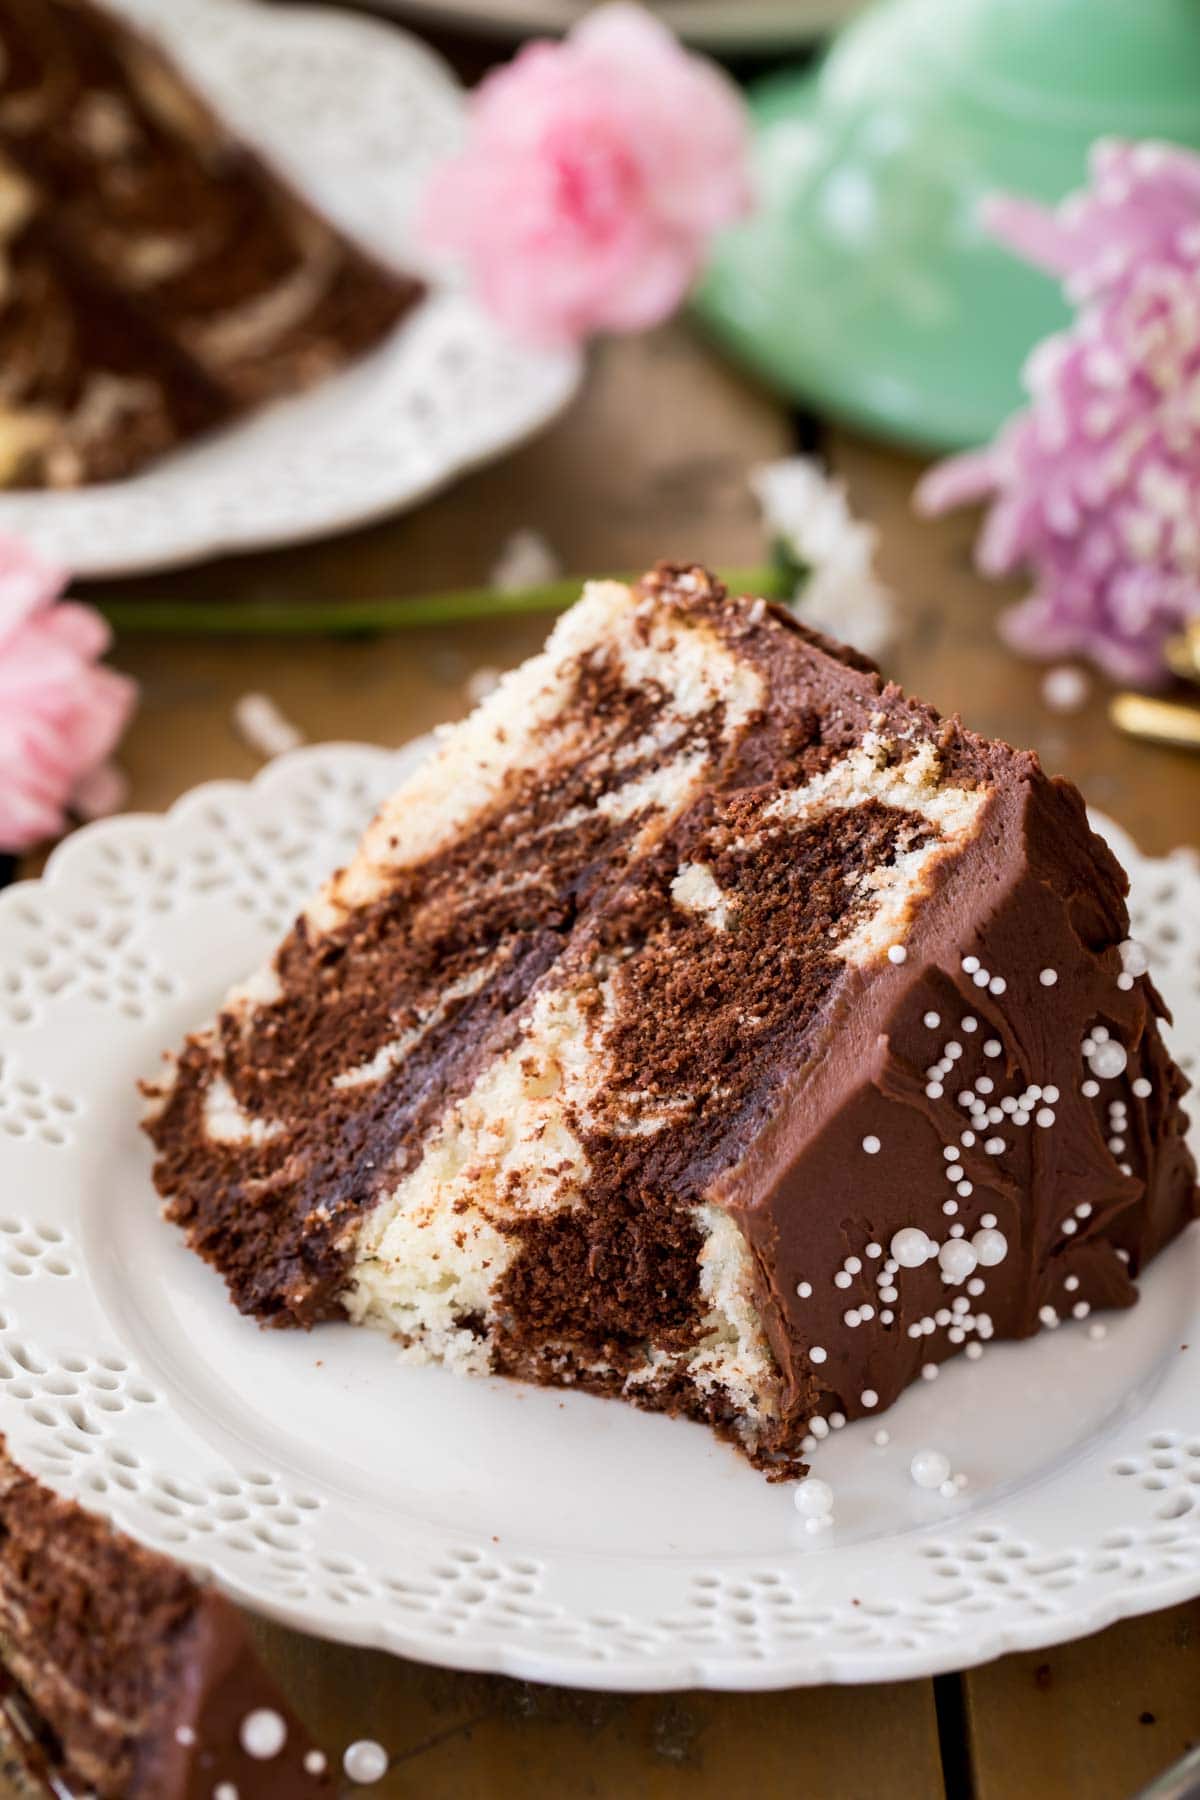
{"points": [[593, 175], [60, 713], [1096, 486]]}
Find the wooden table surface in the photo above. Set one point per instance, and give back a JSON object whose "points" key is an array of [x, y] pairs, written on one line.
{"points": [[652, 461]]}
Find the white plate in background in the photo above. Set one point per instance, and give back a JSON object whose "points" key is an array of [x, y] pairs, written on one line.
{"points": [[356, 111]]}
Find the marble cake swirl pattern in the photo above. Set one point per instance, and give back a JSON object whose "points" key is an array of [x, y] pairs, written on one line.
{"points": [[98, 962]]}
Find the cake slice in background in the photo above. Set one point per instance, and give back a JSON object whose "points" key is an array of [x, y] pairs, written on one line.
{"points": [[707, 1024], [186, 281], [121, 1678]]}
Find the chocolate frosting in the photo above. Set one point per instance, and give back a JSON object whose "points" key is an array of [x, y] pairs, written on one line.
{"points": [[131, 1681], [827, 1105]]}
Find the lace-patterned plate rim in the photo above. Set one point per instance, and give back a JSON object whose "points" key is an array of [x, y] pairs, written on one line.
{"points": [[355, 110], [489, 1526]]}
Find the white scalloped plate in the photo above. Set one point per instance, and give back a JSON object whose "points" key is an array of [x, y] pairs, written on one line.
{"points": [[356, 111], [481, 1523]]}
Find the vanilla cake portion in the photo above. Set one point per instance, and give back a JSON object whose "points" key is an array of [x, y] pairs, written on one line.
{"points": [[705, 1023]]}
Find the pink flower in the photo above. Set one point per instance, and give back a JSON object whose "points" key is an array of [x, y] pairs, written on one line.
{"points": [[1095, 487], [60, 714], [593, 175]]}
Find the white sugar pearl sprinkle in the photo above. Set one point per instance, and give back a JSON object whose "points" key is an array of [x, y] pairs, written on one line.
{"points": [[992, 1046], [1044, 1117], [997, 985], [1071, 1283], [981, 978], [263, 1733], [970, 1023], [853, 1265], [1134, 960], [951, 1153], [994, 1146], [1108, 1060], [882, 1437], [957, 1260], [804, 1290], [974, 1352], [852, 1318], [990, 1246], [1048, 1316], [929, 1468], [988, 1221], [365, 1761], [814, 1498], [934, 1090], [929, 1371], [1069, 1227], [897, 954], [817, 1354], [225, 1790], [841, 1279], [1048, 977], [314, 1762], [911, 1247], [874, 1250], [950, 1207], [868, 1398], [1142, 1088], [871, 1145], [933, 1020], [1080, 1310], [819, 1427], [1090, 1089], [1124, 982], [970, 964]]}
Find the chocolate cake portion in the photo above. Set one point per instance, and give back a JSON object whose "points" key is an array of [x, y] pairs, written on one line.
{"points": [[121, 1678], [186, 280], [706, 1023]]}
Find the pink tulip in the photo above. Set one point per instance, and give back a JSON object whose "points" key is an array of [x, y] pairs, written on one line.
{"points": [[60, 713], [593, 176]]}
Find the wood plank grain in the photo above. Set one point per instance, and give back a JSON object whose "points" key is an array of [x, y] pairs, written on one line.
{"points": [[1095, 1720], [472, 1737]]}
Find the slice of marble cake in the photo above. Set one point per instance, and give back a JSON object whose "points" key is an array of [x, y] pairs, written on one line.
{"points": [[706, 1023]]}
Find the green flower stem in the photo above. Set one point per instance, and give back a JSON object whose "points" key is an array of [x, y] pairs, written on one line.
{"points": [[289, 618]]}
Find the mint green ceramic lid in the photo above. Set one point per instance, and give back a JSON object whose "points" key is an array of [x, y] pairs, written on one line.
{"points": [[864, 284]]}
